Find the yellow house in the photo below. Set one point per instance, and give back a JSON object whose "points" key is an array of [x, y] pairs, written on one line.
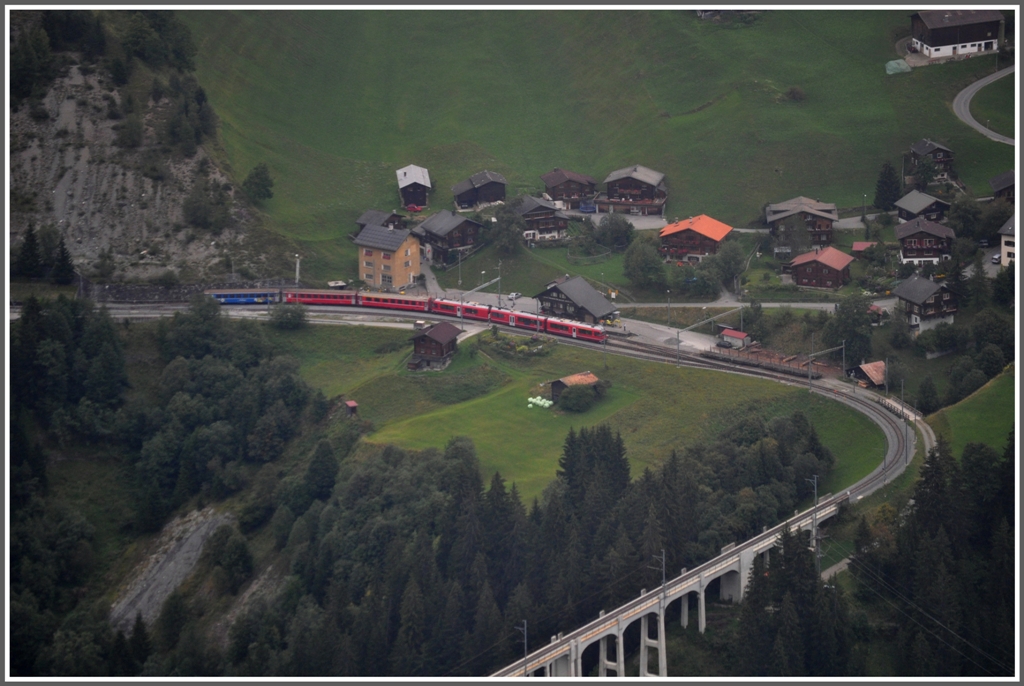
{"points": [[389, 258]]}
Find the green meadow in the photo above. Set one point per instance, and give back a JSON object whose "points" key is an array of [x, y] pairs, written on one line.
{"points": [[336, 101], [656, 407], [996, 106], [986, 416]]}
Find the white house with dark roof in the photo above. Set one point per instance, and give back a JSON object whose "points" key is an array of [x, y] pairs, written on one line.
{"points": [[924, 241], [1008, 242], [544, 221], [574, 298], [924, 303], [950, 32]]}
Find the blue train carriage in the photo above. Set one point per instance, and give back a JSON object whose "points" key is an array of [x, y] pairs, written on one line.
{"points": [[244, 296]]}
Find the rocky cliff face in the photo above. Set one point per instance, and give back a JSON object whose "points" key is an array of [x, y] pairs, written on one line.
{"points": [[119, 222]]}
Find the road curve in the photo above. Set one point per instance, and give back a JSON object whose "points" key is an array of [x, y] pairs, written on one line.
{"points": [[962, 105]]}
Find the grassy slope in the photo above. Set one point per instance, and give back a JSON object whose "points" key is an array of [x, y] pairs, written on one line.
{"points": [[987, 416], [996, 105], [335, 101]]}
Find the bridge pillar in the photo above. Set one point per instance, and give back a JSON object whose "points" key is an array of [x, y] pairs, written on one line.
{"points": [[576, 655], [701, 620], [620, 653], [684, 610], [646, 643], [603, 663]]}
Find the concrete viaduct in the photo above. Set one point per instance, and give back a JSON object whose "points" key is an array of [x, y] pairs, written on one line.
{"points": [[563, 656]]}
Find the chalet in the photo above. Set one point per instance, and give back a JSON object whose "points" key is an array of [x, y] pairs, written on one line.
{"points": [[917, 204], [581, 379], [924, 241], [574, 299], [817, 216], [388, 257], [633, 190], [544, 221], [391, 220], [692, 239], [413, 185], [446, 233], [870, 375], [434, 347], [941, 156], [481, 188], [1007, 242], [924, 303], [860, 246], [568, 186], [1003, 186], [946, 32], [825, 268]]}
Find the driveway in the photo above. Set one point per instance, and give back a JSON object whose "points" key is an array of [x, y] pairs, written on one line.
{"points": [[962, 105]]}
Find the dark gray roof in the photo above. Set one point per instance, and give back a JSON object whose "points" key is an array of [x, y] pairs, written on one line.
{"points": [[937, 19], [375, 217], [443, 222], [638, 172], [1004, 180], [917, 289], [442, 333], [558, 176], [1009, 227], [925, 147], [915, 201], [413, 174], [462, 186], [381, 238], [531, 203], [922, 224], [477, 180], [584, 295]]}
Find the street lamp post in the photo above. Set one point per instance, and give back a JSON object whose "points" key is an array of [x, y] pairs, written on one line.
{"points": [[482, 272], [668, 306], [297, 261], [460, 269], [814, 524]]}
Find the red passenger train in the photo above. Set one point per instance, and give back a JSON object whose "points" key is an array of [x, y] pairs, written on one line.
{"points": [[426, 304]]}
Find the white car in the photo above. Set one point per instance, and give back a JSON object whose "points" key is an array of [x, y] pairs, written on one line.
{"points": [[996, 259], [513, 296]]}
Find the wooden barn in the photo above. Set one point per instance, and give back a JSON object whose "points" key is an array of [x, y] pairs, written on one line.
{"points": [[692, 239], [391, 220], [434, 347], [634, 190], [825, 268], [480, 189], [1003, 186], [581, 379], [569, 186], [917, 204], [870, 375], [413, 185]]}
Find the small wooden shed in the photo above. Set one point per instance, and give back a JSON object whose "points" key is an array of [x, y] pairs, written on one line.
{"points": [[351, 408], [581, 379]]}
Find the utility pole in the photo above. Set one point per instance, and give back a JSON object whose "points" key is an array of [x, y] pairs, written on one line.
{"points": [[677, 347], [460, 269], [810, 365], [886, 376], [297, 261], [660, 558], [499, 282], [814, 524], [525, 651], [844, 359], [668, 306], [906, 427]]}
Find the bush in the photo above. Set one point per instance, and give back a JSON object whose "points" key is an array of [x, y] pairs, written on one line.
{"points": [[288, 316], [796, 94], [577, 399]]}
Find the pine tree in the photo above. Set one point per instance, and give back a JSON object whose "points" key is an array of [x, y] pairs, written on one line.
{"points": [[487, 640], [64, 269], [787, 657], [407, 652], [887, 188], [927, 396], [322, 471], [28, 264], [652, 544], [258, 183], [448, 635]]}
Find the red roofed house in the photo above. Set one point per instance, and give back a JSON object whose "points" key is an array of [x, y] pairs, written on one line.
{"points": [[693, 239], [581, 379], [736, 339], [562, 184], [825, 268], [861, 246]]}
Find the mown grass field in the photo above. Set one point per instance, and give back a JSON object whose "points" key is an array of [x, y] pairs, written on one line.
{"points": [[986, 416], [335, 101], [657, 408], [996, 106]]}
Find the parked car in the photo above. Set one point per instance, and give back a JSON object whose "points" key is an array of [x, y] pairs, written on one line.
{"points": [[724, 344], [996, 259], [514, 296]]}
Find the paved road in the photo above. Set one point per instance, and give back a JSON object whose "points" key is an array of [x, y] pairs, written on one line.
{"points": [[962, 105]]}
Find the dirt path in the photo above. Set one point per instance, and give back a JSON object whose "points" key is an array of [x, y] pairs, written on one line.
{"points": [[176, 553]]}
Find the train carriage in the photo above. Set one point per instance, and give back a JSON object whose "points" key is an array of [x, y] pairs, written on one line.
{"points": [[572, 329], [409, 303], [244, 296], [518, 320], [469, 310], [308, 296]]}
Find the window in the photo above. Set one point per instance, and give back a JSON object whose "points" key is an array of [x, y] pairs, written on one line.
{"points": [[367, 253], [1011, 244], [1010, 255], [407, 253], [408, 263], [386, 255], [368, 264], [386, 267], [825, 271], [945, 296], [385, 279], [368, 277]]}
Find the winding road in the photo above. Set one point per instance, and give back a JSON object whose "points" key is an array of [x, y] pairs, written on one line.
{"points": [[962, 105]]}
